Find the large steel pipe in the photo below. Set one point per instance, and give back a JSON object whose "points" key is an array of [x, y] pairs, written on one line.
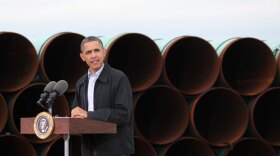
{"points": [[137, 56], [250, 147], [265, 116], [59, 59], [219, 116], [247, 65], [18, 62], [143, 148], [275, 48], [187, 146], [23, 104], [13, 145], [3, 113], [161, 115], [189, 63]]}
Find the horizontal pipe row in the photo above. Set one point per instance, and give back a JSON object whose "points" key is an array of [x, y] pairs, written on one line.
{"points": [[181, 147], [189, 64], [219, 116]]}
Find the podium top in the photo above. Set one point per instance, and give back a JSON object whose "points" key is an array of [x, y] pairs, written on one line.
{"points": [[72, 126]]}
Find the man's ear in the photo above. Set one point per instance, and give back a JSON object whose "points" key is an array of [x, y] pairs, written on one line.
{"points": [[82, 56], [105, 52]]}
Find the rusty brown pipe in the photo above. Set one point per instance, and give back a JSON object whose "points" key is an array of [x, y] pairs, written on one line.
{"points": [[187, 146], [219, 116], [143, 147], [250, 147], [18, 62], [138, 57], [265, 116], [275, 48], [247, 65], [161, 115], [13, 145], [23, 104], [59, 58], [3, 113], [190, 64]]}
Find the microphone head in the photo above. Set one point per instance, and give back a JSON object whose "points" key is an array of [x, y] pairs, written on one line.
{"points": [[49, 87], [60, 87]]}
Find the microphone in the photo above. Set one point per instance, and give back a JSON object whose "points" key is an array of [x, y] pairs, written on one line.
{"points": [[59, 88], [45, 94]]}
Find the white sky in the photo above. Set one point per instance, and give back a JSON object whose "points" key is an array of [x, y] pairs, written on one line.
{"points": [[208, 19]]}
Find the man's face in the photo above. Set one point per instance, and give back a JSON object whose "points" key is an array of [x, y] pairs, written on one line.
{"points": [[93, 54]]}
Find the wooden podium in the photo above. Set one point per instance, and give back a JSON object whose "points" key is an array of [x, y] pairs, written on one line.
{"points": [[68, 126]]}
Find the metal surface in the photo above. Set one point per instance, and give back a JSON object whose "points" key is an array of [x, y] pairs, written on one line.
{"points": [[189, 63], [219, 117], [59, 59], [265, 117], [250, 147], [66, 138], [161, 115], [18, 62], [247, 65], [3, 113], [137, 56], [13, 145], [187, 146]]}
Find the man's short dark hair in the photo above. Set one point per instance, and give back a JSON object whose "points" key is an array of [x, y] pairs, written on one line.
{"points": [[89, 39]]}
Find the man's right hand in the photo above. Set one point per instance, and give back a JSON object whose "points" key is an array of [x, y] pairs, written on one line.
{"points": [[78, 112]]}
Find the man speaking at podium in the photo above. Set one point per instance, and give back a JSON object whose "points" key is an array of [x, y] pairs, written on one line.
{"points": [[104, 93]]}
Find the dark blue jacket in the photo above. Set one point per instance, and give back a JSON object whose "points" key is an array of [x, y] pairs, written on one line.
{"points": [[112, 103]]}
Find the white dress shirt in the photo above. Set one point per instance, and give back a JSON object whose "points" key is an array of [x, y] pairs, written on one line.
{"points": [[91, 83]]}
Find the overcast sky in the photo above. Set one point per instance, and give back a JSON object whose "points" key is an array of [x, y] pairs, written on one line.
{"points": [[208, 19]]}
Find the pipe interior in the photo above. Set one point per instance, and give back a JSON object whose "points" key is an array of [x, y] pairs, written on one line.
{"points": [[18, 62], [220, 117], [62, 60], [191, 65], [138, 57], [161, 115], [267, 117], [248, 66], [4, 113]]}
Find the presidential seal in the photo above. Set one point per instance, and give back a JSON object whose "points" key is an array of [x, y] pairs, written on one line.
{"points": [[43, 125]]}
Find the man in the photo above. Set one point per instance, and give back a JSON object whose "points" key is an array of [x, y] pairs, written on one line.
{"points": [[104, 93]]}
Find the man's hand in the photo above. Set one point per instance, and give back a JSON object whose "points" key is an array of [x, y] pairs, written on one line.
{"points": [[78, 112]]}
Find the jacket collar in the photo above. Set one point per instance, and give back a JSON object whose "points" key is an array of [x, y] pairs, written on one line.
{"points": [[103, 77]]}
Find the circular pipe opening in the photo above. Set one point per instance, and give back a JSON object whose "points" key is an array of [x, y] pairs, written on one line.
{"points": [[190, 64], [143, 148], [23, 104], [3, 114], [188, 146], [60, 59], [18, 62], [247, 66], [15, 145], [265, 116], [138, 57], [161, 114], [250, 147], [219, 116]]}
